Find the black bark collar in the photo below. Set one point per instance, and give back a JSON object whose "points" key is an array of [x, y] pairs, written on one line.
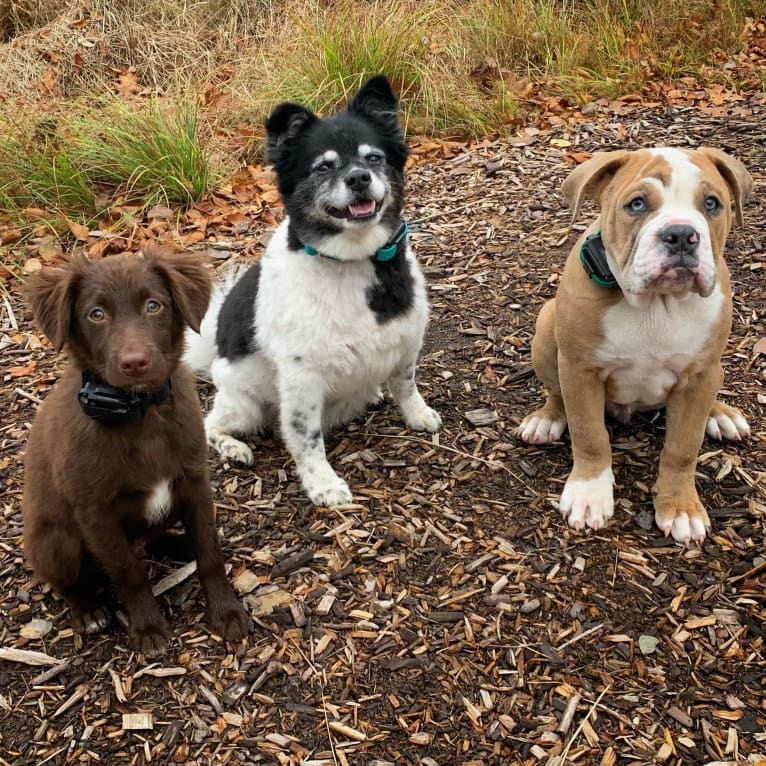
{"points": [[115, 406]]}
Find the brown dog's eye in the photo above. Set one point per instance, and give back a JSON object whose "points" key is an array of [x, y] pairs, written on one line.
{"points": [[152, 306], [97, 314]]}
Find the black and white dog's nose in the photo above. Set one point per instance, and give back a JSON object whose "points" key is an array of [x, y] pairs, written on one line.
{"points": [[358, 179], [680, 238]]}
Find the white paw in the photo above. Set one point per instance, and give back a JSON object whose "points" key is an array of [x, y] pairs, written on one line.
{"points": [[684, 529], [731, 426], [425, 419], [331, 492], [588, 502], [234, 450], [541, 429]]}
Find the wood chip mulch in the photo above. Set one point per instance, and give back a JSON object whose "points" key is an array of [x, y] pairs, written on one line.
{"points": [[448, 616]]}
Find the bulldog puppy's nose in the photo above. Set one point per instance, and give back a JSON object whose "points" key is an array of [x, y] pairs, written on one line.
{"points": [[358, 179], [680, 239]]}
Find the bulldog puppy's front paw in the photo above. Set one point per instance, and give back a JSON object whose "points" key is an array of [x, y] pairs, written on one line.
{"points": [[543, 426], [726, 422], [683, 518], [588, 503], [424, 419]]}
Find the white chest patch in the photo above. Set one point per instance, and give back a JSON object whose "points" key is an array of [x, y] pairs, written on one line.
{"points": [[647, 349], [158, 503]]}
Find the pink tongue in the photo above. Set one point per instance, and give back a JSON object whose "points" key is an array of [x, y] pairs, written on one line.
{"points": [[362, 208]]}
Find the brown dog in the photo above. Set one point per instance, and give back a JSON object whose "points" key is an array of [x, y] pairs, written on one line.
{"points": [[639, 322], [117, 451]]}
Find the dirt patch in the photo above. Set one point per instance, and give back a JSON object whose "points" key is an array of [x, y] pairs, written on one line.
{"points": [[449, 617]]}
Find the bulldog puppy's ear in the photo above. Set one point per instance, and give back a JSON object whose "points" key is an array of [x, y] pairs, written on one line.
{"points": [[283, 126], [588, 181], [739, 181]]}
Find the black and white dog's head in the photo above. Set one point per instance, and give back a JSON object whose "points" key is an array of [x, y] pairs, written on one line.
{"points": [[341, 178]]}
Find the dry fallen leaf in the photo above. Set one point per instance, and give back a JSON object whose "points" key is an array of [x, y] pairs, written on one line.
{"points": [[79, 230], [22, 372]]}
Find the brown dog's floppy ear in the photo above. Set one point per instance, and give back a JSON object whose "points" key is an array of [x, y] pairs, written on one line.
{"points": [[51, 295], [588, 181], [187, 279], [739, 181]]}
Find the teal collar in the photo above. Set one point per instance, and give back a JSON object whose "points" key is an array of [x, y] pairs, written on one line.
{"points": [[396, 243], [594, 261]]}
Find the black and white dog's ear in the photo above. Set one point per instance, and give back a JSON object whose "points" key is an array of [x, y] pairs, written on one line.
{"points": [[377, 101], [283, 126]]}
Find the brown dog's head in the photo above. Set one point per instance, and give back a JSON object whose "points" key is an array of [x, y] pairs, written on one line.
{"points": [[122, 318], [665, 214]]}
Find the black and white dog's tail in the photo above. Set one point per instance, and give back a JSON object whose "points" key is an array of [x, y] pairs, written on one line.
{"points": [[201, 349]]}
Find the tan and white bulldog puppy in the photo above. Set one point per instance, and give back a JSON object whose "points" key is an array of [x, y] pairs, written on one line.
{"points": [[652, 338]]}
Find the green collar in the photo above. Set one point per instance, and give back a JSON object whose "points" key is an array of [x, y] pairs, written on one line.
{"points": [[594, 261], [395, 244]]}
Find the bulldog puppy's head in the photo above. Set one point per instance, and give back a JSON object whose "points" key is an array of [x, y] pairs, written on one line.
{"points": [[665, 214]]}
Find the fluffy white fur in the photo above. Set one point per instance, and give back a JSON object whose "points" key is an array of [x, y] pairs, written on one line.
{"points": [[322, 357]]}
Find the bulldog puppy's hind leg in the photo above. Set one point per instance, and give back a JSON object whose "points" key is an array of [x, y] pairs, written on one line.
{"points": [[545, 425]]}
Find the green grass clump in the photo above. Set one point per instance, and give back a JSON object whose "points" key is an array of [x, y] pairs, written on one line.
{"points": [[153, 154], [41, 172], [143, 155]]}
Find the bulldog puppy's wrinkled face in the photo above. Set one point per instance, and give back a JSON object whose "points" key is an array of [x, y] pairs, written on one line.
{"points": [[665, 214]]}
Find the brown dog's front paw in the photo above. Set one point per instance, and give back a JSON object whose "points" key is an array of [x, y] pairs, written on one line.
{"points": [[230, 620], [682, 517], [150, 637], [90, 620]]}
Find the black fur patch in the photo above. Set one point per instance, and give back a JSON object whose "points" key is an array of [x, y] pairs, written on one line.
{"points": [[393, 291], [235, 333]]}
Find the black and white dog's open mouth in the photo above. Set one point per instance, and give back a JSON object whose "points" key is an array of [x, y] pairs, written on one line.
{"points": [[356, 211]]}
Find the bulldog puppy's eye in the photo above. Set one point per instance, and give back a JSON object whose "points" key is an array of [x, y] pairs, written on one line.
{"points": [[153, 306], [636, 206], [712, 204], [323, 167], [374, 158], [97, 314]]}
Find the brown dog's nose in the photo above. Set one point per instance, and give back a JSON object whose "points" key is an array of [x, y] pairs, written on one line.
{"points": [[134, 363]]}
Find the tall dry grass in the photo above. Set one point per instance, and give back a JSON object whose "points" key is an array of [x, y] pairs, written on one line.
{"points": [[463, 67]]}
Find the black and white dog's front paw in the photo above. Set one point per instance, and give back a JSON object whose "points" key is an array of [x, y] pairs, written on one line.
{"points": [[326, 488], [423, 418], [229, 448]]}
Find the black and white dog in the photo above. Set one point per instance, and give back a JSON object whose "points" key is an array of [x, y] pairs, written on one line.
{"points": [[337, 305]]}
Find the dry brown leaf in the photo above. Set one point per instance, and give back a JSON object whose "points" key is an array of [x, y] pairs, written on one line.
{"points": [[23, 371], [79, 231]]}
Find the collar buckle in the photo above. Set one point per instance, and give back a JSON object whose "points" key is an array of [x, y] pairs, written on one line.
{"points": [[395, 244]]}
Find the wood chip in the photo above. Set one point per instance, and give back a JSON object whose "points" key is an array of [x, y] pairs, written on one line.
{"points": [[137, 721]]}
